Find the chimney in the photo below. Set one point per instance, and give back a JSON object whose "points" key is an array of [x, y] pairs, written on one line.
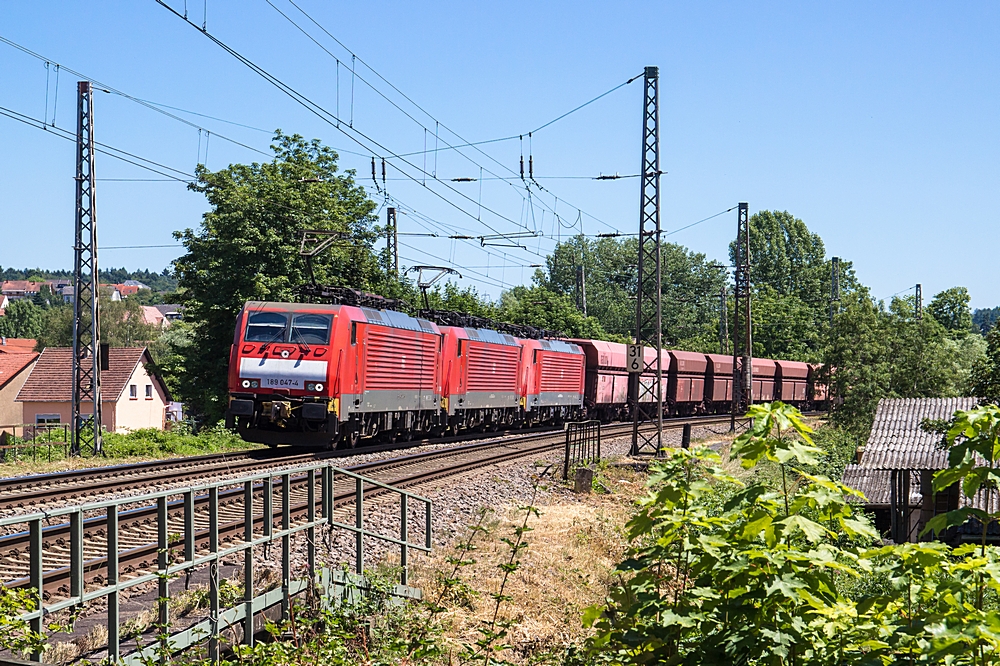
{"points": [[3, 341]]}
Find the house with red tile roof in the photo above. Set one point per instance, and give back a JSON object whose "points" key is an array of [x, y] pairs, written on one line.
{"points": [[14, 371], [17, 345], [132, 395]]}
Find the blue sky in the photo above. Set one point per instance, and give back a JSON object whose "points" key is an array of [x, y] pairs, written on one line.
{"points": [[876, 123]]}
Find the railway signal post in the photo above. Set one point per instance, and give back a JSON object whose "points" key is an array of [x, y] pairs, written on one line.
{"points": [[86, 325], [646, 397], [742, 348]]}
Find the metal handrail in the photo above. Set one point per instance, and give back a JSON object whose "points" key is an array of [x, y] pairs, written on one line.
{"points": [[323, 475]]}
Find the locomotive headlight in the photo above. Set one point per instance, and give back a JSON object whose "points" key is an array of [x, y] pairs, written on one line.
{"points": [[245, 383], [319, 387], [310, 386], [253, 384]]}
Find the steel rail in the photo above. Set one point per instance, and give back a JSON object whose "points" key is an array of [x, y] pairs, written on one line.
{"points": [[14, 547]]}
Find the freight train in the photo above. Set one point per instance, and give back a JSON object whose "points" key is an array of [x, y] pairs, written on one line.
{"points": [[332, 375]]}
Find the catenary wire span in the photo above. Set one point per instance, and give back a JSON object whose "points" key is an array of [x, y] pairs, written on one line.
{"points": [[437, 123], [351, 133]]}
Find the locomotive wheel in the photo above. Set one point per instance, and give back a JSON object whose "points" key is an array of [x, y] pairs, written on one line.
{"points": [[351, 438]]}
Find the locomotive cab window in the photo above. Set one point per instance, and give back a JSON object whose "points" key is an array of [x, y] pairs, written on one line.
{"points": [[311, 329], [266, 327]]}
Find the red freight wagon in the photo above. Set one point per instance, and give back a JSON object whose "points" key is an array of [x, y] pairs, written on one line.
{"points": [[606, 385], [819, 392], [764, 371], [480, 388], [648, 378], [308, 374], [719, 382], [686, 382], [792, 378], [553, 377]]}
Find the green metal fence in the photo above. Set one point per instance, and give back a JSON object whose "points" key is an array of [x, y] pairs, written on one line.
{"points": [[194, 534], [33, 441]]}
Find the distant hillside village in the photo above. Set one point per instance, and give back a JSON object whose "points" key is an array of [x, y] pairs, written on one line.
{"points": [[36, 371]]}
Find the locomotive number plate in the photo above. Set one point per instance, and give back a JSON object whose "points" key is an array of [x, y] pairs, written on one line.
{"points": [[281, 382]]}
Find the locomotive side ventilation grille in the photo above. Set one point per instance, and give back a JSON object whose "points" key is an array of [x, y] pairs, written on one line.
{"points": [[561, 373], [396, 363], [493, 368]]}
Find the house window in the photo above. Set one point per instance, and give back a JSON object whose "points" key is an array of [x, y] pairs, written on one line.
{"points": [[149, 391], [45, 419], [132, 392]]}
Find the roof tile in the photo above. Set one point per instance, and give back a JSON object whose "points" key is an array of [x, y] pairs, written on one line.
{"points": [[12, 365], [51, 379], [897, 440]]}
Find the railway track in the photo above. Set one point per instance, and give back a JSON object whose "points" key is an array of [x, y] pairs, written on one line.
{"points": [[138, 525], [26, 492], [31, 492]]}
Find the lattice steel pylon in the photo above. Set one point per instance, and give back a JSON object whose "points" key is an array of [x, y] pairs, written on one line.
{"points": [[86, 322], [645, 396], [742, 329], [834, 287]]}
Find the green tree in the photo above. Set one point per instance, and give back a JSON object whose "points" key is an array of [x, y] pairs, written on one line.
{"points": [[247, 249], [784, 326], [984, 381], [690, 288], [858, 352], [951, 309], [22, 319], [123, 324], [57, 329], [169, 351], [543, 308]]}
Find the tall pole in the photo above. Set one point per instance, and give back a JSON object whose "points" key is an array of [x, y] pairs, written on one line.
{"points": [[742, 358], [86, 324], [919, 303], [723, 320], [645, 390], [392, 238], [834, 287]]}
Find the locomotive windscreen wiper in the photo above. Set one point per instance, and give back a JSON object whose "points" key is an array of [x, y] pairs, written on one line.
{"points": [[274, 338]]}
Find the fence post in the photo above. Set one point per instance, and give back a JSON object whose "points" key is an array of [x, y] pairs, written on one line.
{"points": [[403, 536], [598, 440], [76, 554], [213, 568], [163, 590], [686, 436], [286, 545], [359, 523], [248, 571], [569, 429], [311, 517], [114, 637], [35, 577]]}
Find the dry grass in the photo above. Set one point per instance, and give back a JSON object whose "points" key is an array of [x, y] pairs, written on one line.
{"points": [[573, 548]]}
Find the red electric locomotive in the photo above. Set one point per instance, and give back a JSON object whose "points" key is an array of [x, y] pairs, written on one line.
{"points": [[552, 374], [481, 382], [316, 374]]}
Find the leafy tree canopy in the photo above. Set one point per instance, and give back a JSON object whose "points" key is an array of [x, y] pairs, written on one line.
{"points": [[985, 377], [22, 319], [538, 306], [951, 309], [691, 288], [247, 248]]}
